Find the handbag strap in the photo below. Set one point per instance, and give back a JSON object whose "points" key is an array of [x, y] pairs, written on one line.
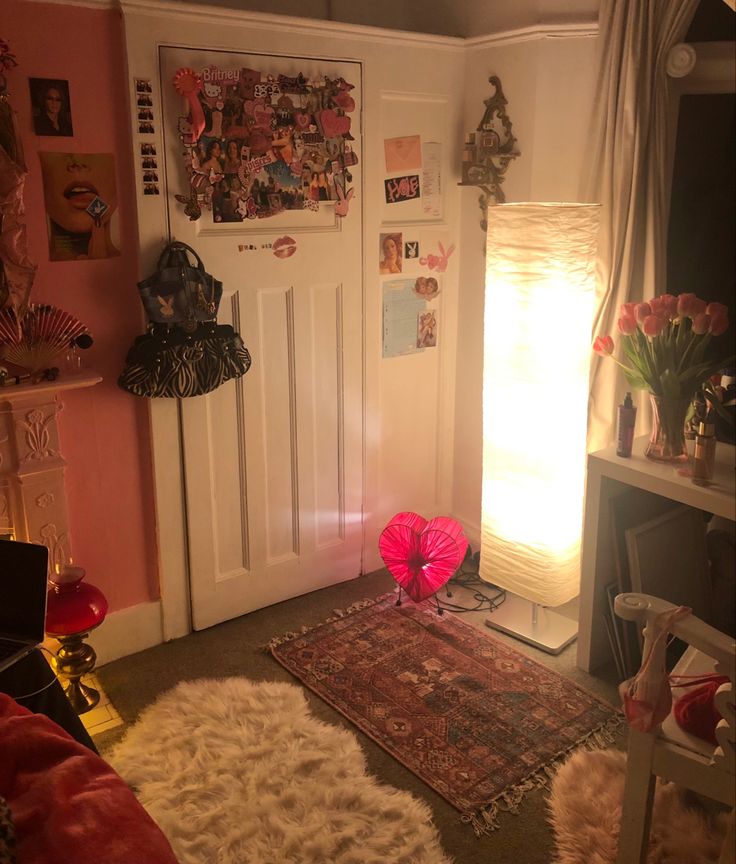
{"points": [[177, 246]]}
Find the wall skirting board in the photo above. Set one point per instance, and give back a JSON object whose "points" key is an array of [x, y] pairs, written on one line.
{"points": [[127, 632]]}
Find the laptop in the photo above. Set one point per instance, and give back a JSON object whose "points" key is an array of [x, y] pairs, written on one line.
{"points": [[23, 585]]}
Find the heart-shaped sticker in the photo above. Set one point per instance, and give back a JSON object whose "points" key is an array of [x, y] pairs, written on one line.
{"points": [[333, 124], [422, 555], [302, 120]]}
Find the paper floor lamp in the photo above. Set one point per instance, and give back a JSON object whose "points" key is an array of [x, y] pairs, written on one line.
{"points": [[539, 298]]}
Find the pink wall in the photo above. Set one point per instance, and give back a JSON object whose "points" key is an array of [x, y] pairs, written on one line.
{"points": [[104, 430]]}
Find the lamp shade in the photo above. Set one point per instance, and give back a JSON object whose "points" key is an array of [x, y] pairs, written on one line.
{"points": [[422, 555], [539, 300]]}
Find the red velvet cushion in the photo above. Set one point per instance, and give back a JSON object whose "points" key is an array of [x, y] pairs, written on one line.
{"points": [[696, 713], [67, 801]]}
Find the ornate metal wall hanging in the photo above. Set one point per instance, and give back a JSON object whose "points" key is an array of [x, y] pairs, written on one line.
{"points": [[489, 150]]}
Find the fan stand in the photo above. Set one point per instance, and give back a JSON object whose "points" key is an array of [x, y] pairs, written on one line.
{"points": [[534, 624], [440, 610]]}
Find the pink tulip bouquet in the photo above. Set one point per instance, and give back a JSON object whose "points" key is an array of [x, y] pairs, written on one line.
{"points": [[665, 345], [665, 342]]}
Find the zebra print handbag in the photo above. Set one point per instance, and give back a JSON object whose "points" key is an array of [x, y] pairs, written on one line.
{"points": [[186, 353]]}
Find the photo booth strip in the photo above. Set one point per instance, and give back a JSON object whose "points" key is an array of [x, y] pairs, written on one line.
{"points": [[146, 125]]}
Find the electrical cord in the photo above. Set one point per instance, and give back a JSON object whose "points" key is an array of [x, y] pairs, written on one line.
{"points": [[467, 577], [45, 686]]}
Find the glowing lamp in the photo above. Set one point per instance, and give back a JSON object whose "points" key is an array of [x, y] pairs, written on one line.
{"points": [[540, 291]]}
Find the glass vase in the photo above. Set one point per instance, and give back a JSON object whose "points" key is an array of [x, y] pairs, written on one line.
{"points": [[667, 442]]}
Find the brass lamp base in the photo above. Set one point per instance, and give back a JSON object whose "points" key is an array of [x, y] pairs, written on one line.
{"points": [[73, 660]]}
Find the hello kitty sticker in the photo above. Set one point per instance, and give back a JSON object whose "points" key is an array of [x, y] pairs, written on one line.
{"points": [[256, 145]]}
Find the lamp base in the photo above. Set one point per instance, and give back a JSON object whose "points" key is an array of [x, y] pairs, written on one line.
{"points": [[537, 625], [73, 660]]}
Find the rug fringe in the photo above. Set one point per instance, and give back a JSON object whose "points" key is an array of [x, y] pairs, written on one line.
{"points": [[484, 819], [290, 635]]}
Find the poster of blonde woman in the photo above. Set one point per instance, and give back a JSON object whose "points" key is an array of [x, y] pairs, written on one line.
{"points": [[81, 202], [390, 254]]}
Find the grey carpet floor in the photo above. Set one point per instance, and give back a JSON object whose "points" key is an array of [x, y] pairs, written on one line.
{"points": [[236, 648]]}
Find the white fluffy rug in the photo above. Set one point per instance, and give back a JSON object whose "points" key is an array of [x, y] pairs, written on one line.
{"points": [[236, 772], [585, 811]]}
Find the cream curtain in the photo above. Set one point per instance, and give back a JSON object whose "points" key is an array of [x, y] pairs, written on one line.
{"points": [[627, 174]]}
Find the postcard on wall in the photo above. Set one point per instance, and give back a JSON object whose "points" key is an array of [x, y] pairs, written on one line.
{"points": [[401, 311], [427, 287], [390, 259], [81, 200], [427, 329], [403, 154], [52, 110], [431, 179], [400, 189]]}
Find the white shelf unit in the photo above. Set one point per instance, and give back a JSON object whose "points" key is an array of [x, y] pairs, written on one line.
{"points": [[609, 475]]}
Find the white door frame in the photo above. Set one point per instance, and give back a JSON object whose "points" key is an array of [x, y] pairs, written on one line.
{"points": [[151, 23]]}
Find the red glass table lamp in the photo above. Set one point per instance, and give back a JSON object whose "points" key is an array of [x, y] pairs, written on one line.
{"points": [[74, 608]]}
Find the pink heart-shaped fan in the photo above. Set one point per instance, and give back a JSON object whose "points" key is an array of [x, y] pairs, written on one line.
{"points": [[422, 555]]}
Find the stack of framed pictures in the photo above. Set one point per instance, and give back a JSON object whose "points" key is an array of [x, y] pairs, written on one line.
{"points": [[659, 548]]}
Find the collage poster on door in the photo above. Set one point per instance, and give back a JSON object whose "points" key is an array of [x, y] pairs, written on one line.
{"points": [[256, 145]]}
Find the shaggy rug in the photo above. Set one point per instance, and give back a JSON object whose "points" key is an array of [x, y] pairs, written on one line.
{"points": [[476, 720], [585, 812], [236, 772]]}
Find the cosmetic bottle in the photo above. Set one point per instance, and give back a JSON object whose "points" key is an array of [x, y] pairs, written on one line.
{"points": [[625, 427], [705, 452]]}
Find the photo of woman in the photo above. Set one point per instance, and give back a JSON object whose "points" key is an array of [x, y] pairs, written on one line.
{"points": [[232, 157], [390, 251], [51, 108], [212, 157], [81, 199]]}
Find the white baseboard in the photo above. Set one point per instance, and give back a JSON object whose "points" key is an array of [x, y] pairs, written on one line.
{"points": [[127, 632]]}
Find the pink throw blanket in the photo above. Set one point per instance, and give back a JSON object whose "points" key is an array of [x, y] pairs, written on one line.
{"points": [[66, 800]]}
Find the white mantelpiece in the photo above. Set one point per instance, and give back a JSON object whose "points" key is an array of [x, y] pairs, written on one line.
{"points": [[32, 494]]}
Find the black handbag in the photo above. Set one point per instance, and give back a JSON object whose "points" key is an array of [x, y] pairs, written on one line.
{"points": [[184, 352], [179, 292]]}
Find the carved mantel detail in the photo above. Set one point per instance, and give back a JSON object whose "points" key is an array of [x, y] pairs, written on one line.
{"points": [[32, 465], [57, 544], [37, 434]]}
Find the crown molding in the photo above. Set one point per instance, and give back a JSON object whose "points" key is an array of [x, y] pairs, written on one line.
{"points": [[570, 30], [87, 4], [285, 23], [318, 27]]}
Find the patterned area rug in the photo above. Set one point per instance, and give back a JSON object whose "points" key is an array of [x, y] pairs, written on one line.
{"points": [[476, 720]]}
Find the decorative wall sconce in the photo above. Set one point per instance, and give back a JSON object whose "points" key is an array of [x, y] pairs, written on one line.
{"points": [[489, 150]]}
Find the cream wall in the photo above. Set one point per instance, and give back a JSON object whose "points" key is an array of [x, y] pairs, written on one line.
{"points": [[548, 82]]}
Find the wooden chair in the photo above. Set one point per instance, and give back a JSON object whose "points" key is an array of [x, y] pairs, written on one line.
{"points": [[670, 752]]}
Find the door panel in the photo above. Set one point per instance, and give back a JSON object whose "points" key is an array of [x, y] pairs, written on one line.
{"points": [[273, 462]]}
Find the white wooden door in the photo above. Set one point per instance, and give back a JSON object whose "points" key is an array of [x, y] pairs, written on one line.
{"points": [[273, 462]]}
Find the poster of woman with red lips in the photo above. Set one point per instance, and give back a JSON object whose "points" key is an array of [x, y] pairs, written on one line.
{"points": [[81, 199]]}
